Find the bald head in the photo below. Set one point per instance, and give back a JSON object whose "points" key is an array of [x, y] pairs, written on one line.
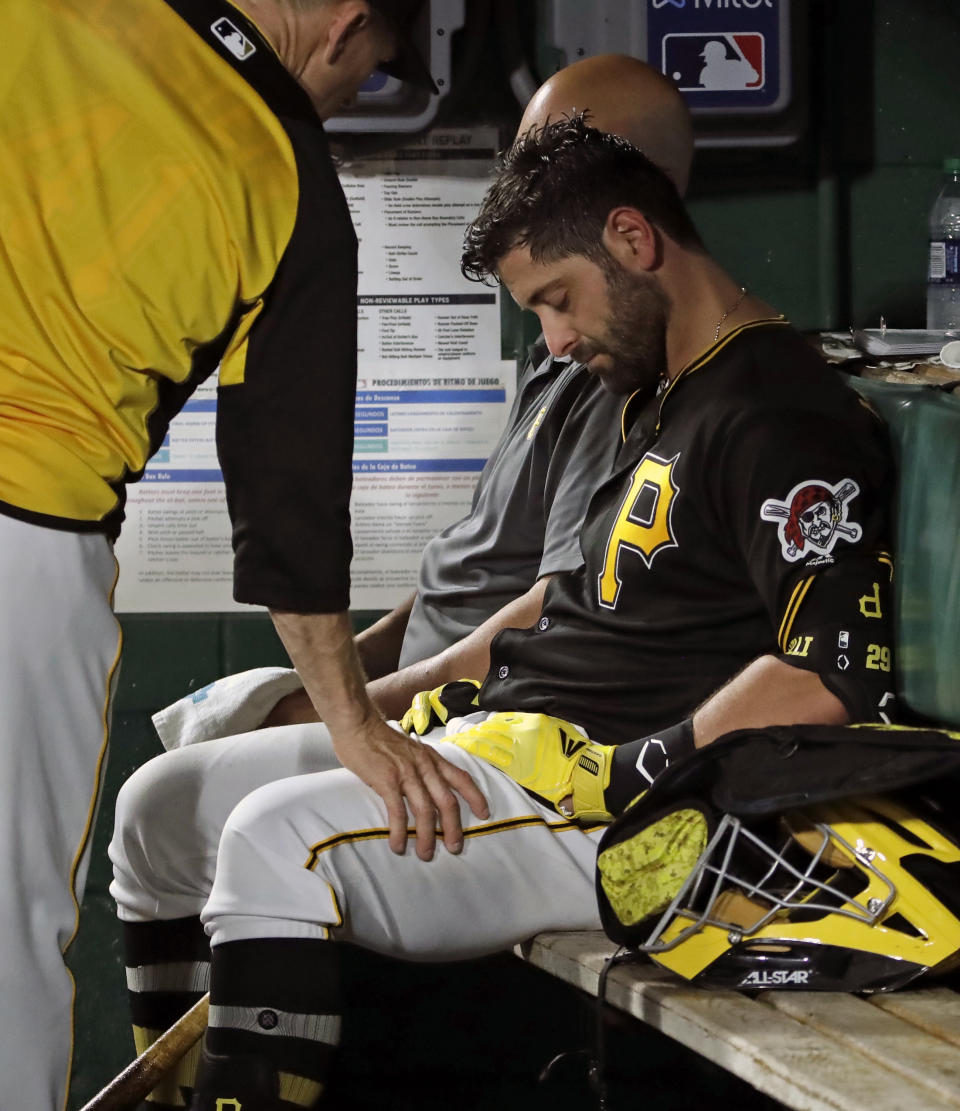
{"points": [[625, 97]]}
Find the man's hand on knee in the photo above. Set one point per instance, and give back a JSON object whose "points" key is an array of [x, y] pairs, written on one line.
{"points": [[407, 773]]}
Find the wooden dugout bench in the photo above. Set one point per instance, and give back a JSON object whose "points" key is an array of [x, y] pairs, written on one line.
{"points": [[814, 1051], [825, 1051]]}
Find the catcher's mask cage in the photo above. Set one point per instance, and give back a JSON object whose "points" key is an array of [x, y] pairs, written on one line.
{"points": [[859, 894]]}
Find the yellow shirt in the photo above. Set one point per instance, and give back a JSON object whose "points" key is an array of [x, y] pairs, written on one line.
{"points": [[167, 200]]}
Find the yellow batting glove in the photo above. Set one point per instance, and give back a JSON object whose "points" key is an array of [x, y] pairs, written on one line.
{"points": [[549, 757], [432, 708]]}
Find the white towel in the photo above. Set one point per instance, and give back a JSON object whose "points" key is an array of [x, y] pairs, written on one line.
{"points": [[235, 704]]}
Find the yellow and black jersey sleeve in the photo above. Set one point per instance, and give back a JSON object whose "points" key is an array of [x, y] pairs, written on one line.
{"points": [[839, 623], [168, 202]]}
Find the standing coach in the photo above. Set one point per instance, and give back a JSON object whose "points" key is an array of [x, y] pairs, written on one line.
{"points": [[168, 204]]}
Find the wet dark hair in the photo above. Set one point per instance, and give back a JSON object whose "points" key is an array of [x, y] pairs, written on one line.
{"points": [[553, 191]]}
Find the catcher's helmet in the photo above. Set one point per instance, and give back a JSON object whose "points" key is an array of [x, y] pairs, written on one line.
{"points": [[858, 894]]}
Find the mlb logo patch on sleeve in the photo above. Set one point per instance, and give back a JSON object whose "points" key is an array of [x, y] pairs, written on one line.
{"points": [[233, 39]]}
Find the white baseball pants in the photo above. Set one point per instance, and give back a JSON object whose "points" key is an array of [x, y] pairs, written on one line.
{"points": [[253, 833], [59, 652]]}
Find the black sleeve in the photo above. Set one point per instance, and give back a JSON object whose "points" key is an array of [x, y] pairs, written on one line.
{"points": [[842, 629], [812, 523], [636, 764], [285, 432]]}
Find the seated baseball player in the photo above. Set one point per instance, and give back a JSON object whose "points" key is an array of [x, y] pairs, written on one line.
{"points": [[715, 594], [490, 569]]}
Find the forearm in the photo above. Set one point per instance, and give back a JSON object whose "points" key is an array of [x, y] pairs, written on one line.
{"points": [[322, 650], [469, 658], [767, 692], [294, 708], [378, 648], [379, 645]]}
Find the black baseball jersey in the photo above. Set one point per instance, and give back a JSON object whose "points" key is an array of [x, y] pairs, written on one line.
{"points": [[169, 204], [524, 522], [747, 515]]}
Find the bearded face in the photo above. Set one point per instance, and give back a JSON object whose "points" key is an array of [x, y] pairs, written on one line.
{"points": [[612, 320], [630, 353]]}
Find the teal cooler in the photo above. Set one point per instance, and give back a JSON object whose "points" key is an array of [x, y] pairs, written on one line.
{"points": [[924, 423]]}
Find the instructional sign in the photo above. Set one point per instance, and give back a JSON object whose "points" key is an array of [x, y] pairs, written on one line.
{"points": [[420, 444], [432, 397]]}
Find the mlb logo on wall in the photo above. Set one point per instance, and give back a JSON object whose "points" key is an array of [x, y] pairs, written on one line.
{"points": [[729, 61], [233, 39]]}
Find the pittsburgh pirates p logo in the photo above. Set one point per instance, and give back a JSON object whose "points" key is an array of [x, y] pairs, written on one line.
{"points": [[643, 525]]}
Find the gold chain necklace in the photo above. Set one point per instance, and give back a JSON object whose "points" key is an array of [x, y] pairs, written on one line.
{"points": [[733, 308]]}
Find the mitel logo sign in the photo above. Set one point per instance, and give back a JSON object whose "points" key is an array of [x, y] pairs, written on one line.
{"points": [[722, 62], [707, 4]]}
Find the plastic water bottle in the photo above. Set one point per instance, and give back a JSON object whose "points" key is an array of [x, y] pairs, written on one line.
{"points": [[943, 275]]}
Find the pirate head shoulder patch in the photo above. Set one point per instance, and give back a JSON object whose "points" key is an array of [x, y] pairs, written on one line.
{"points": [[813, 518]]}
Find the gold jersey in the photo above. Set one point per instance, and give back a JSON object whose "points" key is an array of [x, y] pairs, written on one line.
{"points": [[168, 205]]}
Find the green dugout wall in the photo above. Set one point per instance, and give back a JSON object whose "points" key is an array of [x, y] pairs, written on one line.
{"points": [[831, 231], [925, 428]]}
